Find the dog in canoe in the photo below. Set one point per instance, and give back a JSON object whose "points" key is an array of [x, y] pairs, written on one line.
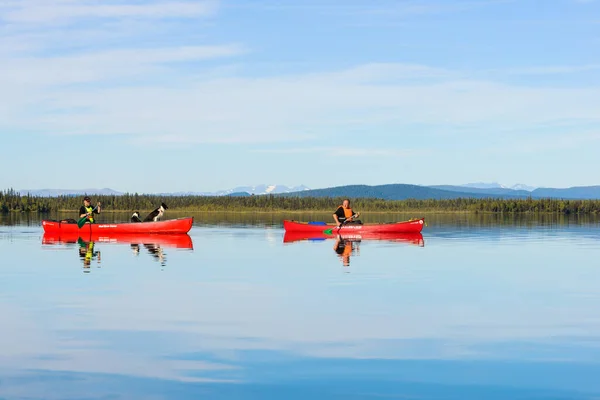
{"points": [[154, 216], [136, 217]]}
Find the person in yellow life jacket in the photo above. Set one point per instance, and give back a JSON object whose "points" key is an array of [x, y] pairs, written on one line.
{"points": [[87, 210], [345, 214]]}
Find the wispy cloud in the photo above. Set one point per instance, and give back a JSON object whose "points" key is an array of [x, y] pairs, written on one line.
{"points": [[31, 27], [285, 107], [184, 91], [99, 66], [53, 11], [389, 72]]}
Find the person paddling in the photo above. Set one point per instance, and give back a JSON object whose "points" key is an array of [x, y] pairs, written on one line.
{"points": [[87, 210], [345, 214]]}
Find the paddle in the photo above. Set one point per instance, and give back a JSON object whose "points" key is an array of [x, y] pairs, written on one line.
{"points": [[330, 231], [82, 220]]}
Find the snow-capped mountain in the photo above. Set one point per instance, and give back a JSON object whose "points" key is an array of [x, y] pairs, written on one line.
{"points": [[496, 185], [261, 189], [521, 186], [257, 190]]}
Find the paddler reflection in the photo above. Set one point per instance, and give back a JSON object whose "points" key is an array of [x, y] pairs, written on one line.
{"points": [[152, 244], [344, 248], [348, 244], [87, 254]]}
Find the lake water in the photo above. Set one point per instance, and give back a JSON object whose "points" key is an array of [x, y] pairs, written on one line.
{"points": [[483, 307]]}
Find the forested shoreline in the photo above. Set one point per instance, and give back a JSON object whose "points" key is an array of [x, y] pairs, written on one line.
{"points": [[11, 201]]}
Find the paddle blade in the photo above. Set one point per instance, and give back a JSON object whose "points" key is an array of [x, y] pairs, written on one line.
{"points": [[81, 222], [328, 231]]}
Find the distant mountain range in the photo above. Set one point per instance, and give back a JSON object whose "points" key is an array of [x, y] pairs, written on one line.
{"points": [[244, 190], [69, 192], [495, 185], [403, 192], [387, 192], [237, 191]]}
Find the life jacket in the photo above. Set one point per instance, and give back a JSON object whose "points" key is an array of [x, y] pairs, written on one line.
{"points": [[90, 210], [347, 212]]}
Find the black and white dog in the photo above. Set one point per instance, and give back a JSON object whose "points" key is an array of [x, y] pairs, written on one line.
{"points": [[156, 214], [136, 217]]}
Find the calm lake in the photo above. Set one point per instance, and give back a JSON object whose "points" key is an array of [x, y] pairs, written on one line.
{"points": [[483, 307]]}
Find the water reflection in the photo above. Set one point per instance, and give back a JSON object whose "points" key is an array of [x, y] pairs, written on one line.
{"points": [[87, 254], [484, 312], [344, 248], [153, 243], [153, 249], [348, 244]]}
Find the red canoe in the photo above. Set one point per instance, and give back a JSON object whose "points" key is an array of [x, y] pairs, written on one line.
{"points": [[411, 226], [180, 225], [415, 238], [173, 240]]}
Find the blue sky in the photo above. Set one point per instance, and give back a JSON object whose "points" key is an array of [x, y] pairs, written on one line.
{"points": [[155, 95]]}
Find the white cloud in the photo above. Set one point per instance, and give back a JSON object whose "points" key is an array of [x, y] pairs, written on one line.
{"points": [[53, 11], [187, 91], [386, 72], [104, 65], [197, 109]]}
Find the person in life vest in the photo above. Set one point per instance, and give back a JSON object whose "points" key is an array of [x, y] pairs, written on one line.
{"points": [[345, 214], [87, 210]]}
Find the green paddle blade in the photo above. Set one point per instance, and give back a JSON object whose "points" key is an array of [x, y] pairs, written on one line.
{"points": [[328, 231], [81, 222]]}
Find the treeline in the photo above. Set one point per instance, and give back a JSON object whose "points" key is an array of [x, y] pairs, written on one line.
{"points": [[11, 201]]}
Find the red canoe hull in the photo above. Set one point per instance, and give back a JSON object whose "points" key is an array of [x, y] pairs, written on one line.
{"points": [[415, 238], [173, 240], [181, 225], [413, 226]]}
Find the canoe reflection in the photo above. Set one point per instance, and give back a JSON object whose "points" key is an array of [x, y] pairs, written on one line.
{"points": [[153, 243], [348, 244], [411, 238]]}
